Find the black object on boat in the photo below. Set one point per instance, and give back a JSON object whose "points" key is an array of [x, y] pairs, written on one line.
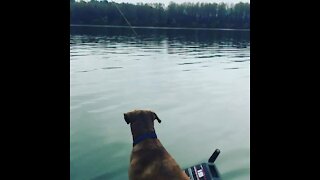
{"points": [[205, 171]]}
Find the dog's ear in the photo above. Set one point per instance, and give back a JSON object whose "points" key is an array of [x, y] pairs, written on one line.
{"points": [[156, 117], [126, 118]]}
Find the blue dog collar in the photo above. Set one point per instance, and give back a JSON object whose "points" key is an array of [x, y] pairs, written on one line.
{"points": [[144, 136]]}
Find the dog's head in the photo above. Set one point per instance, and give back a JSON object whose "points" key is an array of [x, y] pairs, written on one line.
{"points": [[142, 118]]}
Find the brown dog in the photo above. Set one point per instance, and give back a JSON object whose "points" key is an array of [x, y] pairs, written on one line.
{"points": [[149, 159]]}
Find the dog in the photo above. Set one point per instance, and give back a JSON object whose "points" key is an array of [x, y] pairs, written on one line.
{"points": [[149, 159]]}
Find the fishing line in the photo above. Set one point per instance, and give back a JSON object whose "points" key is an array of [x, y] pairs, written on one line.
{"points": [[125, 18]]}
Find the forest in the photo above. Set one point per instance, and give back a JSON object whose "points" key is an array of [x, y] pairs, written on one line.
{"points": [[189, 15]]}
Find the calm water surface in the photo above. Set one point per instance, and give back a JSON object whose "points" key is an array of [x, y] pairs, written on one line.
{"points": [[196, 81]]}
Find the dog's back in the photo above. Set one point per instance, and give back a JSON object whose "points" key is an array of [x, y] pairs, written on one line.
{"points": [[149, 159]]}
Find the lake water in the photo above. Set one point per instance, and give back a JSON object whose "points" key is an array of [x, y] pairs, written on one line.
{"points": [[198, 82]]}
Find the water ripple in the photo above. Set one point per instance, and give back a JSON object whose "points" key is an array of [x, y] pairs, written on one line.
{"points": [[187, 63], [86, 70], [111, 67], [231, 68]]}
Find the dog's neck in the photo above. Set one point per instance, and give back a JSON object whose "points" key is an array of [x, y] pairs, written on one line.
{"points": [[140, 133], [149, 135]]}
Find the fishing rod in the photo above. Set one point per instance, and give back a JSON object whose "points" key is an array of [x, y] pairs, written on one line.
{"points": [[124, 17]]}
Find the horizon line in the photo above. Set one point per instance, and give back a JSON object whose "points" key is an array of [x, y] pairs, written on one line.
{"points": [[156, 27]]}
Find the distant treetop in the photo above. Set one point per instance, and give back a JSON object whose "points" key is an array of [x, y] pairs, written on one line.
{"points": [[198, 15]]}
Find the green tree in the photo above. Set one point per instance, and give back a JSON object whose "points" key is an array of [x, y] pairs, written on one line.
{"points": [[209, 15]]}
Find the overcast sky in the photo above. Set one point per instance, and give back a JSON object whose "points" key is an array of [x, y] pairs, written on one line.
{"points": [[178, 1]]}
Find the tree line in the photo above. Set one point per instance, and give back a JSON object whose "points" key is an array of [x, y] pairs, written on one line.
{"points": [[194, 15]]}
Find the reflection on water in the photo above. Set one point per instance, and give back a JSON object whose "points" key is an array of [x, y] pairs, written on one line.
{"points": [[196, 81]]}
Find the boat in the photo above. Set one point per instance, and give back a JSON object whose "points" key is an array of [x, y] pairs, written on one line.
{"points": [[206, 170]]}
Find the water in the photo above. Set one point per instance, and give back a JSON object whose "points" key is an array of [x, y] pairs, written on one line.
{"points": [[196, 81]]}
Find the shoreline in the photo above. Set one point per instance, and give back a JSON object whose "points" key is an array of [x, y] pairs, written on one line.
{"points": [[153, 27]]}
